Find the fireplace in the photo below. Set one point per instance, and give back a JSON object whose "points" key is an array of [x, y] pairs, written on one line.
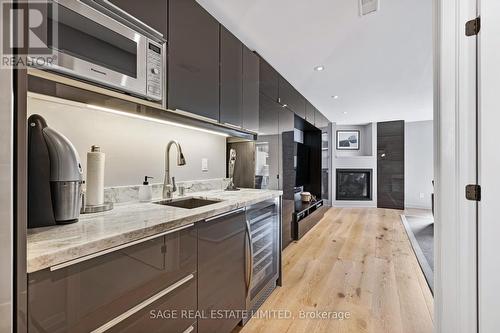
{"points": [[354, 184]]}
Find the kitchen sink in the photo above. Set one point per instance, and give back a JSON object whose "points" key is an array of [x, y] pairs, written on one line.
{"points": [[187, 203]]}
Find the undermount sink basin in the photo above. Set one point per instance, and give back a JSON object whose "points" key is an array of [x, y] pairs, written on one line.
{"points": [[187, 203]]}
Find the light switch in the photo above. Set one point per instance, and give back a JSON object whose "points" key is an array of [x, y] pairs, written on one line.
{"points": [[204, 164]]}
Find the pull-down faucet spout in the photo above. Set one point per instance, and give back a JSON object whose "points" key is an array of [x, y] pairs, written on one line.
{"points": [[169, 186]]}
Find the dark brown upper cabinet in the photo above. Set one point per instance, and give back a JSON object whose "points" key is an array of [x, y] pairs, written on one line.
{"points": [[310, 112], [269, 80], [231, 79], [193, 59], [320, 121], [251, 94], [290, 97], [156, 19]]}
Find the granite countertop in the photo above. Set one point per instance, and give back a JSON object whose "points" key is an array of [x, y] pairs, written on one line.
{"points": [[126, 223]]}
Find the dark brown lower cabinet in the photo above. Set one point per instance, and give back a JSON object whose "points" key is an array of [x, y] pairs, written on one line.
{"points": [[169, 313], [89, 295], [222, 275]]}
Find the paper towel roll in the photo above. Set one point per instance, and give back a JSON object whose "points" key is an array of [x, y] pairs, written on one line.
{"points": [[95, 176]]}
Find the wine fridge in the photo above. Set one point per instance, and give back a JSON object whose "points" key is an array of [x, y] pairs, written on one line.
{"points": [[264, 259]]}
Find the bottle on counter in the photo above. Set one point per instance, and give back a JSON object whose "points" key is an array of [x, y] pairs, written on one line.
{"points": [[146, 190]]}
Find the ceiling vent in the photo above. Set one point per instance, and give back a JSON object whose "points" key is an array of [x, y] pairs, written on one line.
{"points": [[368, 6]]}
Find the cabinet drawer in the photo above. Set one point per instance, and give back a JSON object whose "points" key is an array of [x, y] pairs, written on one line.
{"points": [[174, 312], [84, 296]]}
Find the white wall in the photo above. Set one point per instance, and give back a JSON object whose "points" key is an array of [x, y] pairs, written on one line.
{"points": [[134, 147], [365, 140], [419, 155], [364, 158]]}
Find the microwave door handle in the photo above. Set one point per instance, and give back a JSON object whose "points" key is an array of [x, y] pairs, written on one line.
{"points": [[117, 11]]}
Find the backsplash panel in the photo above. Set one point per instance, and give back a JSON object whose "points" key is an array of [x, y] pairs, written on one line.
{"points": [[126, 194], [134, 148]]}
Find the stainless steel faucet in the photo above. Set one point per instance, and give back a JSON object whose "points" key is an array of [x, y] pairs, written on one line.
{"points": [[169, 186]]}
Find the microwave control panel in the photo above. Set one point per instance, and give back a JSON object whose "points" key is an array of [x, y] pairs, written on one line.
{"points": [[154, 71]]}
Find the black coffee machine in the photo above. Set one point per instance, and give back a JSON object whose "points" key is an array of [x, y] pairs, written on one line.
{"points": [[54, 176]]}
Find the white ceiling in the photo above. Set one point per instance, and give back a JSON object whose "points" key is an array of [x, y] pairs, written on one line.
{"points": [[380, 65]]}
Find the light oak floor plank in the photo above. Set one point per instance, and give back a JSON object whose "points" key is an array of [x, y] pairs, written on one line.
{"points": [[357, 261]]}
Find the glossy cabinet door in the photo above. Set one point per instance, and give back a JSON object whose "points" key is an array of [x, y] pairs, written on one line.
{"points": [[193, 59], [269, 80], [231, 79], [154, 13], [267, 147], [290, 97], [251, 97], [287, 172], [320, 121], [87, 295], [222, 275], [391, 164], [310, 113], [167, 314]]}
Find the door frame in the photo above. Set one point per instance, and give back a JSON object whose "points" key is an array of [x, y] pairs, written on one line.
{"points": [[489, 228], [455, 166]]}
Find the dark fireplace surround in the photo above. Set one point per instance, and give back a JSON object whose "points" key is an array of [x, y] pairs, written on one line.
{"points": [[354, 184]]}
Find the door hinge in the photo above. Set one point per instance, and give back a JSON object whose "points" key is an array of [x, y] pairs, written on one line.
{"points": [[472, 27], [473, 192]]}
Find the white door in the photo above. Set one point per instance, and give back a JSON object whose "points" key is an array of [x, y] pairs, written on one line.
{"points": [[489, 167]]}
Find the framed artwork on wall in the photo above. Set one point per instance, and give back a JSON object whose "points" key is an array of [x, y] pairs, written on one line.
{"points": [[347, 140]]}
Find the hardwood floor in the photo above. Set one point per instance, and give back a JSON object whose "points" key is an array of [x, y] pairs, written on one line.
{"points": [[357, 261]]}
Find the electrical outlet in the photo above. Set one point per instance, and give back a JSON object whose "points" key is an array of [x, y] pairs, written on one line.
{"points": [[204, 164], [422, 195]]}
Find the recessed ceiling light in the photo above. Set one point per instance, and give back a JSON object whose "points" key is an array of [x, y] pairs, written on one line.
{"points": [[345, 112], [319, 68], [335, 97]]}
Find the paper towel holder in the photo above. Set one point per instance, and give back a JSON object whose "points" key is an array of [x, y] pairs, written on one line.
{"points": [[89, 209]]}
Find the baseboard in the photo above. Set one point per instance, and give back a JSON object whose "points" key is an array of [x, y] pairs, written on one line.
{"points": [[417, 206]]}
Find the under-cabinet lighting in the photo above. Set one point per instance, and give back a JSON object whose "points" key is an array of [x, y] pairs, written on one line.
{"points": [[160, 121]]}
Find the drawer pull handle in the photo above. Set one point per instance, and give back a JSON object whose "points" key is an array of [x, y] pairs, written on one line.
{"points": [[116, 248], [225, 214], [189, 329], [142, 305]]}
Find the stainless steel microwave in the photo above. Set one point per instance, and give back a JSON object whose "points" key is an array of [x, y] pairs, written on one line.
{"points": [[95, 40]]}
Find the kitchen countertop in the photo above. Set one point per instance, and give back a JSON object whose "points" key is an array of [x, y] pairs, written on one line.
{"points": [[126, 223]]}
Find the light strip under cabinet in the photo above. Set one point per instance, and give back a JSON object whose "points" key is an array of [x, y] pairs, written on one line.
{"points": [[142, 305]]}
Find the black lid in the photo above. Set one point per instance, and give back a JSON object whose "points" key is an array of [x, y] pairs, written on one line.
{"points": [[146, 180]]}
